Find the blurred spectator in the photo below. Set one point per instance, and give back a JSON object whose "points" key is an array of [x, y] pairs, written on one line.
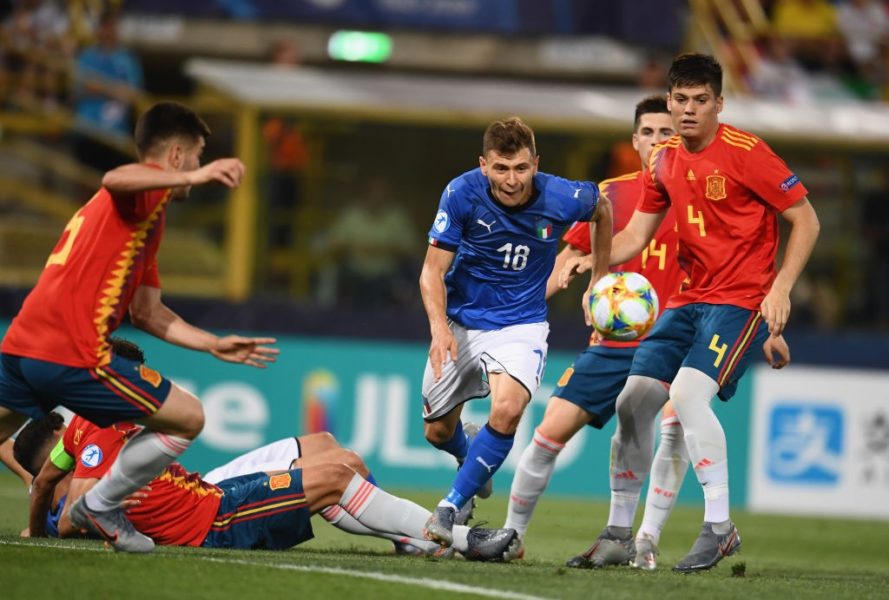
{"points": [[287, 156], [777, 75], [108, 81], [875, 226], [36, 49], [865, 27], [815, 303], [810, 27], [374, 243]]}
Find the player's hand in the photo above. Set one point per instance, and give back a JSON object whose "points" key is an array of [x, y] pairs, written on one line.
{"points": [[227, 171], [442, 349], [136, 498], [775, 309], [246, 350], [26, 533], [574, 266], [776, 345], [585, 307]]}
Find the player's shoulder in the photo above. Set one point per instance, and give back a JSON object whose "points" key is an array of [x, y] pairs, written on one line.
{"points": [[555, 187], [467, 186], [737, 141], [668, 147], [620, 181]]}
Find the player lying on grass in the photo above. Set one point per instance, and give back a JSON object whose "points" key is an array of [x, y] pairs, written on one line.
{"points": [[260, 500], [259, 510]]}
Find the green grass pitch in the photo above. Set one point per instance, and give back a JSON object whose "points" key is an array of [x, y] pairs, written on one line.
{"points": [[782, 557]]}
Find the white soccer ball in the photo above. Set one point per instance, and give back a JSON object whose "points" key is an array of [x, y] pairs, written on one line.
{"points": [[623, 306]]}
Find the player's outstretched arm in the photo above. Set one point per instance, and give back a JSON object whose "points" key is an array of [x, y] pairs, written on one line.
{"points": [[804, 228], [148, 313], [633, 238], [138, 177], [79, 486], [567, 253], [42, 491], [434, 293]]}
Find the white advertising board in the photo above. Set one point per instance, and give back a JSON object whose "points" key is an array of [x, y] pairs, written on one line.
{"points": [[820, 442]]}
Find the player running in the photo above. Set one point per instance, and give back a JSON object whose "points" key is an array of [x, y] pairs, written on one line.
{"points": [[491, 250], [726, 187], [56, 351]]}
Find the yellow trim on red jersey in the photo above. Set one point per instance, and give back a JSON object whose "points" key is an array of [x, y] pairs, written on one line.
{"points": [[111, 295], [195, 486], [738, 139]]}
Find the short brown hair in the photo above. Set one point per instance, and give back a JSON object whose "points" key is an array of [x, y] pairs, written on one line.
{"points": [[164, 121], [507, 137]]}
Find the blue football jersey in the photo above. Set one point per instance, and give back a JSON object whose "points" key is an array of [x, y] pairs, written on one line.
{"points": [[503, 255]]}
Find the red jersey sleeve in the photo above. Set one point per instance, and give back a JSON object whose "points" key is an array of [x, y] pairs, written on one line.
{"points": [[579, 236], [771, 179], [98, 448]]}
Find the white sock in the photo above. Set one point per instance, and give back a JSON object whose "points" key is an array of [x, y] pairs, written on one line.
{"points": [[667, 472], [532, 475], [140, 460], [359, 512], [381, 511], [632, 445], [339, 518], [691, 394]]}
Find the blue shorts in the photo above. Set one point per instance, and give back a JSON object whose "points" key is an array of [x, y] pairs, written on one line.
{"points": [[595, 379], [261, 512], [123, 390], [715, 339]]}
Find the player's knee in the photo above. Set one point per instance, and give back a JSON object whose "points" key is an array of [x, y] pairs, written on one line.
{"points": [[505, 416], [193, 423], [437, 433]]}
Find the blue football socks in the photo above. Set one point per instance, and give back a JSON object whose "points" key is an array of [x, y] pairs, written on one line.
{"points": [[458, 445], [488, 451]]}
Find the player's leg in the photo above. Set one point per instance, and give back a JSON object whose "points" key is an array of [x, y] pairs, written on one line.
{"points": [[585, 395], [10, 422], [538, 461], [714, 364], [461, 380], [514, 358], [167, 434], [667, 472], [391, 517], [17, 401], [280, 455]]}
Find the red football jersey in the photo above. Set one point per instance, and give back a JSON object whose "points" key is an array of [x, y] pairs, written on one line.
{"points": [[108, 249], [726, 199], [657, 262], [94, 448], [180, 508]]}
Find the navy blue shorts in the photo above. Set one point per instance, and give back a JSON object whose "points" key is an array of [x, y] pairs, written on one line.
{"points": [[715, 339], [261, 512], [123, 390], [595, 379]]}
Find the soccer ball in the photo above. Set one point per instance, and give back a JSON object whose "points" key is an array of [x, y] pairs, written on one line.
{"points": [[623, 306]]}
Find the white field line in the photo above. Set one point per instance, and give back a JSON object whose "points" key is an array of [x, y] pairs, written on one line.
{"points": [[449, 586]]}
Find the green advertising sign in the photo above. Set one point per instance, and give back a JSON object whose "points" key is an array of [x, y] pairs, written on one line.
{"points": [[367, 393]]}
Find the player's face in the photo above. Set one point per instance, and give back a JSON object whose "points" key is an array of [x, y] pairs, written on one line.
{"points": [[511, 177], [695, 113], [654, 128]]}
